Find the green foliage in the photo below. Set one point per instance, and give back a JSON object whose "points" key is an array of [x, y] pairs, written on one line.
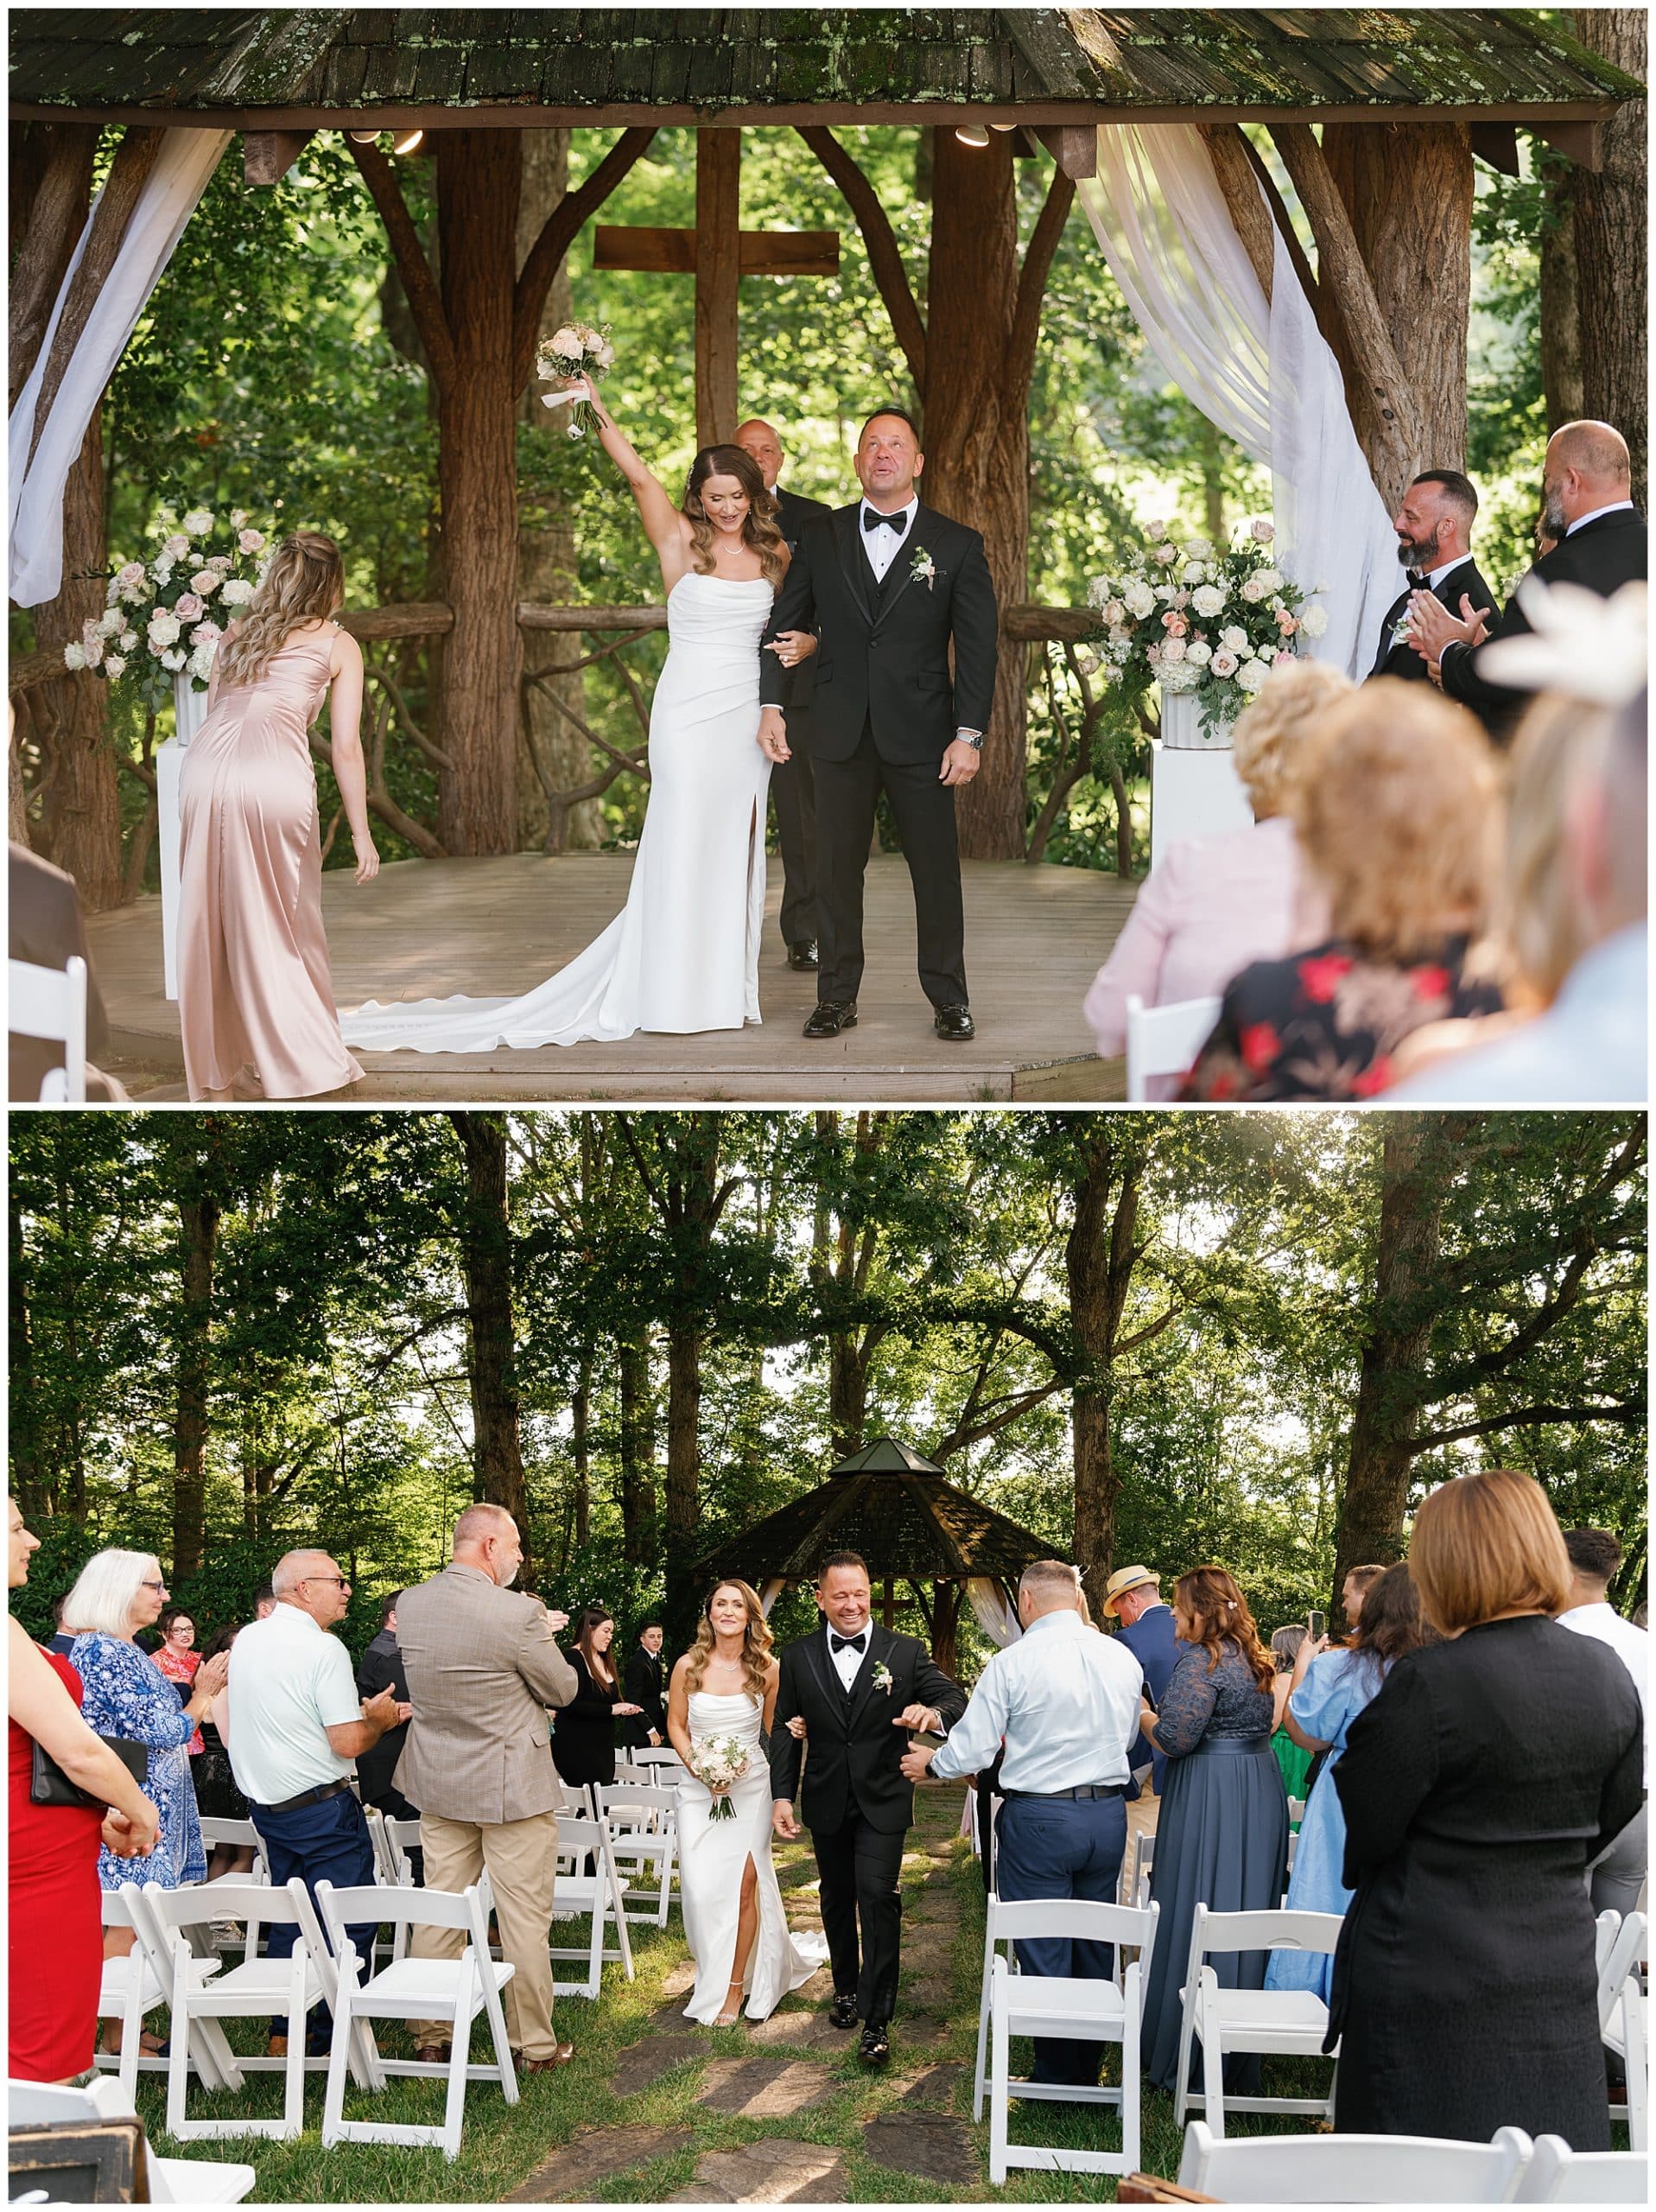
{"points": [[66, 1546]]}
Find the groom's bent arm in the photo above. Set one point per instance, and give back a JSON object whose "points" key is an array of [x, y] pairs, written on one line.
{"points": [[786, 1750], [975, 621], [794, 608]]}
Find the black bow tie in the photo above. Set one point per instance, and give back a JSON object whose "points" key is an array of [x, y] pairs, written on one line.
{"points": [[846, 1643], [1418, 578], [896, 524]]}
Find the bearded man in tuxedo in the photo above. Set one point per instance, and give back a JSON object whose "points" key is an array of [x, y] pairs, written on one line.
{"points": [[792, 786], [1434, 544]]}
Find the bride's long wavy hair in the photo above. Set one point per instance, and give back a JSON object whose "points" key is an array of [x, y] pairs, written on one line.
{"points": [[304, 582], [760, 528], [756, 1642]]}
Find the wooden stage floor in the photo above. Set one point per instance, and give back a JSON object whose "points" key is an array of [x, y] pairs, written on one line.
{"points": [[1035, 937]]}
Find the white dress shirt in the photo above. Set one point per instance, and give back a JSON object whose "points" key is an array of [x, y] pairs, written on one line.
{"points": [[1631, 1646], [881, 547], [1611, 507], [1447, 569], [1065, 1700], [847, 1663]]}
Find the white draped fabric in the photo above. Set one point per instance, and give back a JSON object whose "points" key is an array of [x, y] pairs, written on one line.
{"points": [[772, 1590], [187, 160], [998, 1620], [1260, 370]]}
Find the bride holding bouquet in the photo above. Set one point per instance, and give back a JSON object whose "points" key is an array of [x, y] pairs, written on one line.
{"points": [[721, 1697]]}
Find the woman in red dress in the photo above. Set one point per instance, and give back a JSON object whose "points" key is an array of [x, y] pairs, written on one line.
{"points": [[57, 1905]]}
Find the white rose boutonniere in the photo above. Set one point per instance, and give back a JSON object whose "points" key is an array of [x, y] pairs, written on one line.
{"points": [[881, 1677], [923, 569]]}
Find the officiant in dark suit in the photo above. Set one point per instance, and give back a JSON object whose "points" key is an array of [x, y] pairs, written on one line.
{"points": [[1434, 544], [888, 585], [858, 1690], [646, 1687], [791, 784], [1600, 543]]}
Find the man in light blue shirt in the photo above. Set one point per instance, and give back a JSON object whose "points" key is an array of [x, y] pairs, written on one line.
{"points": [[1065, 1702]]}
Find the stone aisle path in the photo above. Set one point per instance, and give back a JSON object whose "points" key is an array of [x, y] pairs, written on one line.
{"points": [[782, 2111]]}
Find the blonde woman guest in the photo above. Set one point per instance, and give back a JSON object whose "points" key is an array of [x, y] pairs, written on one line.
{"points": [[53, 1895], [1398, 816], [256, 994], [1214, 904], [724, 1689]]}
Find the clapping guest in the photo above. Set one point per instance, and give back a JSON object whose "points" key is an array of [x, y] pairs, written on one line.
{"points": [[1617, 1875], [217, 1797], [583, 1746], [1492, 1767], [1398, 820], [178, 1657], [1291, 1757], [1214, 904], [1330, 1688]]}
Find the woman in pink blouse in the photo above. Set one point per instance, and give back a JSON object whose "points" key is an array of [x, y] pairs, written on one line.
{"points": [[1214, 904]]}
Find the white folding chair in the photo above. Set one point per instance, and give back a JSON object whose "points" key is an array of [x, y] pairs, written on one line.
{"points": [[1095, 2011], [655, 1754], [1623, 1950], [1142, 1859], [236, 1835], [131, 1987], [1164, 1039], [601, 1894], [1296, 1811], [1353, 2169], [642, 1821], [1286, 2022], [50, 1003], [172, 2181], [1557, 2175], [455, 1990]]}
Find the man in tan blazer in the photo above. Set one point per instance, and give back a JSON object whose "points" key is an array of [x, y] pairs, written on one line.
{"points": [[483, 1667]]}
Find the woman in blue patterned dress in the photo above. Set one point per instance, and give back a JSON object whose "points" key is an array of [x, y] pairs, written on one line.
{"points": [[1330, 1689], [126, 1695]]}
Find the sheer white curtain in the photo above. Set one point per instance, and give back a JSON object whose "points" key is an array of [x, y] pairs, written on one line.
{"points": [[998, 1620], [1259, 369], [773, 1589], [187, 160]]}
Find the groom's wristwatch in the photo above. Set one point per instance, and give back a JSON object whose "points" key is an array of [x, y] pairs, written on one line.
{"points": [[972, 737]]}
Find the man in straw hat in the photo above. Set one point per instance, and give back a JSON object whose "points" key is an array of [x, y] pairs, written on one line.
{"points": [[1133, 1594]]}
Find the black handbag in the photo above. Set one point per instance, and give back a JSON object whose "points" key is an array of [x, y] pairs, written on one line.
{"points": [[49, 1785]]}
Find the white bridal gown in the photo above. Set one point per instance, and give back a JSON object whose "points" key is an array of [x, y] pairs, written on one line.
{"points": [[712, 1854], [683, 953]]}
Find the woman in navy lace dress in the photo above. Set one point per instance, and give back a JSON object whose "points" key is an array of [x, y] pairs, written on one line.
{"points": [[1223, 1837]]}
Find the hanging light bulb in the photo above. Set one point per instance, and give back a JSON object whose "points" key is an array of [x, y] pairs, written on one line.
{"points": [[1003, 126], [362, 137], [406, 141], [972, 134]]}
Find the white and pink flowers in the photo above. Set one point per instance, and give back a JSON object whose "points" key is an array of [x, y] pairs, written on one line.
{"points": [[719, 1763], [178, 635], [575, 349]]}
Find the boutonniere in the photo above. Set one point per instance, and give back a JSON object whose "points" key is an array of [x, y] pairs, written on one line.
{"points": [[923, 569], [881, 1677]]}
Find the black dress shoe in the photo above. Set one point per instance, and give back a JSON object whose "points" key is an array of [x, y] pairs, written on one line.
{"points": [[844, 2012], [830, 1016], [802, 953], [954, 1024], [875, 2048]]}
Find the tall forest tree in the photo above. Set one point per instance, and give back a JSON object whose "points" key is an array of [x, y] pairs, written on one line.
{"points": [[1612, 231]]}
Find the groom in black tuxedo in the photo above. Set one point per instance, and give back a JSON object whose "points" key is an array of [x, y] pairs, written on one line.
{"points": [[887, 585], [859, 1690], [1434, 544]]}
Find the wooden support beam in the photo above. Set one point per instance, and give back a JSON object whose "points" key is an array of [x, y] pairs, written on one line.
{"points": [[718, 279], [1580, 142], [1496, 143], [1072, 146], [267, 155], [672, 253]]}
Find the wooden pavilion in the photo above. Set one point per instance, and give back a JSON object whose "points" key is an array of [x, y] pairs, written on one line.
{"points": [[908, 1520]]}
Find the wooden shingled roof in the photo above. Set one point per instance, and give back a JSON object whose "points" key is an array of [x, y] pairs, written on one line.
{"points": [[898, 1510], [308, 66]]}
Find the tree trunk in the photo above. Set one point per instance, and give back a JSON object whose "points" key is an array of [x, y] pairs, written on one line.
{"points": [[1413, 1183], [486, 1265], [27, 1455], [1611, 249], [197, 1224], [683, 1476], [637, 1443], [848, 1357], [583, 1454], [548, 573], [1407, 188], [479, 179], [1098, 1260], [976, 442], [1558, 314]]}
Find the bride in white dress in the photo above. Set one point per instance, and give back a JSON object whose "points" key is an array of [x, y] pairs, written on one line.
{"points": [[725, 1686], [683, 953]]}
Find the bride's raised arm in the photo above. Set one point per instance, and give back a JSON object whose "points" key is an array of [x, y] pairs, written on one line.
{"points": [[665, 525]]}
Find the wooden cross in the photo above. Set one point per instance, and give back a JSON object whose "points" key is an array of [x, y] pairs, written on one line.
{"points": [[719, 253]]}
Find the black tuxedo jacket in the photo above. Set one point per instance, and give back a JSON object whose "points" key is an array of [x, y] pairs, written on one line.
{"points": [[1402, 660], [1601, 557], [793, 512], [646, 1685], [855, 1752], [882, 657]]}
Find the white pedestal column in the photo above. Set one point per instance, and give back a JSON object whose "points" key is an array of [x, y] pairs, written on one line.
{"points": [[189, 712], [1194, 791]]}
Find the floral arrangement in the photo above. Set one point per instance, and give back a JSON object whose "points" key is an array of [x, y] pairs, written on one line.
{"points": [[1198, 620], [574, 349], [717, 1762], [881, 1677], [923, 569], [189, 590]]}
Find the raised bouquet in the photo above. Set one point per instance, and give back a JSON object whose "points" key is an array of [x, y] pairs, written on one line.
{"points": [[574, 349], [164, 617], [718, 1763], [1196, 619]]}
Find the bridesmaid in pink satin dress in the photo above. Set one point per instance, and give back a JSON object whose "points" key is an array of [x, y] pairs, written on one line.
{"points": [[255, 991]]}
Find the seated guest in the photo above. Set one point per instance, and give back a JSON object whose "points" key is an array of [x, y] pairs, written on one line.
{"points": [[583, 1743], [1616, 1875], [1330, 1688], [646, 1687], [1398, 819], [1214, 904], [1492, 1768], [1434, 544], [1589, 1043], [45, 927]]}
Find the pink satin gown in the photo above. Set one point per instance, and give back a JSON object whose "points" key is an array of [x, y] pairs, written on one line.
{"points": [[255, 991]]}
